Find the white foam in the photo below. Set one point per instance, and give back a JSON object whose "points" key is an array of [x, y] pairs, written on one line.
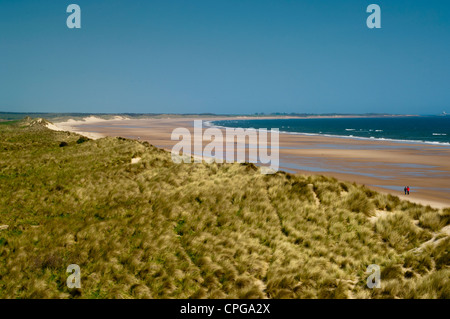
{"points": [[354, 137]]}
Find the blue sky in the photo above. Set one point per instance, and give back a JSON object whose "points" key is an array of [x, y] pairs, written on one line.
{"points": [[225, 56]]}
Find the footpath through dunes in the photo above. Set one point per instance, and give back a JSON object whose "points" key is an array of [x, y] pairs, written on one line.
{"points": [[150, 228]]}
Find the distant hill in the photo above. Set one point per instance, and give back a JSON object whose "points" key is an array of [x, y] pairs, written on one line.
{"points": [[66, 116]]}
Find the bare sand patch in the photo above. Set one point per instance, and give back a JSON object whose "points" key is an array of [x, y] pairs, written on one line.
{"points": [[70, 124], [378, 214], [435, 240], [135, 160]]}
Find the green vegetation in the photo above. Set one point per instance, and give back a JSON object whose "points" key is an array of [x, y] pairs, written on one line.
{"points": [[156, 229]]}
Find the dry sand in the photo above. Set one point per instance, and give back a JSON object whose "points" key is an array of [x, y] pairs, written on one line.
{"points": [[381, 165]]}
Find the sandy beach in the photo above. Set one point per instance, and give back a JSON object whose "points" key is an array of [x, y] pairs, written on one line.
{"points": [[381, 165]]}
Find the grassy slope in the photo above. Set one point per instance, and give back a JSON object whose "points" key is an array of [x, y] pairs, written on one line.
{"points": [[161, 230]]}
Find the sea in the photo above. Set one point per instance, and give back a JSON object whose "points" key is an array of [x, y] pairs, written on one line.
{"points": [[419, 129]]}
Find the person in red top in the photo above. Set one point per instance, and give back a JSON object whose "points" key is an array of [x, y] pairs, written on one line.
{"points": [[407, 189]]}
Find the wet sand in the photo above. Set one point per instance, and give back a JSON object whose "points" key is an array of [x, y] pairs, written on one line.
{"points": [[381, 165]]}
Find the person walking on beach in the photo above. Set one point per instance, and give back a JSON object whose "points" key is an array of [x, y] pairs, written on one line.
{"points": [[407, 189]]}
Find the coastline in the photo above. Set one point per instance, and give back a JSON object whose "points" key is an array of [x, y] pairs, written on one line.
{"points": [[379, 164], [384, 139]]}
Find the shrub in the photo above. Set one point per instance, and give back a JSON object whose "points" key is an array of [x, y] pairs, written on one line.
{"points": [[431, 220], [82, 139], [359, 203], [400, 232], [392, 271]]}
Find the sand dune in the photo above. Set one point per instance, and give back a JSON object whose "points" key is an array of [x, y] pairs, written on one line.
{"points": [[381, 165]]}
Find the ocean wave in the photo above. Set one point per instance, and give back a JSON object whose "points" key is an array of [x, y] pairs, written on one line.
{"points": [[440, 134], [372, 138]]}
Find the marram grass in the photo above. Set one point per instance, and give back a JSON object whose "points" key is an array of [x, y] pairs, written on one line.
{"points": [[156, 229]]}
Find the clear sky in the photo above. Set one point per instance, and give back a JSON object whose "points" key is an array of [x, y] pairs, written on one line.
{"points": [[225, 56]]}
